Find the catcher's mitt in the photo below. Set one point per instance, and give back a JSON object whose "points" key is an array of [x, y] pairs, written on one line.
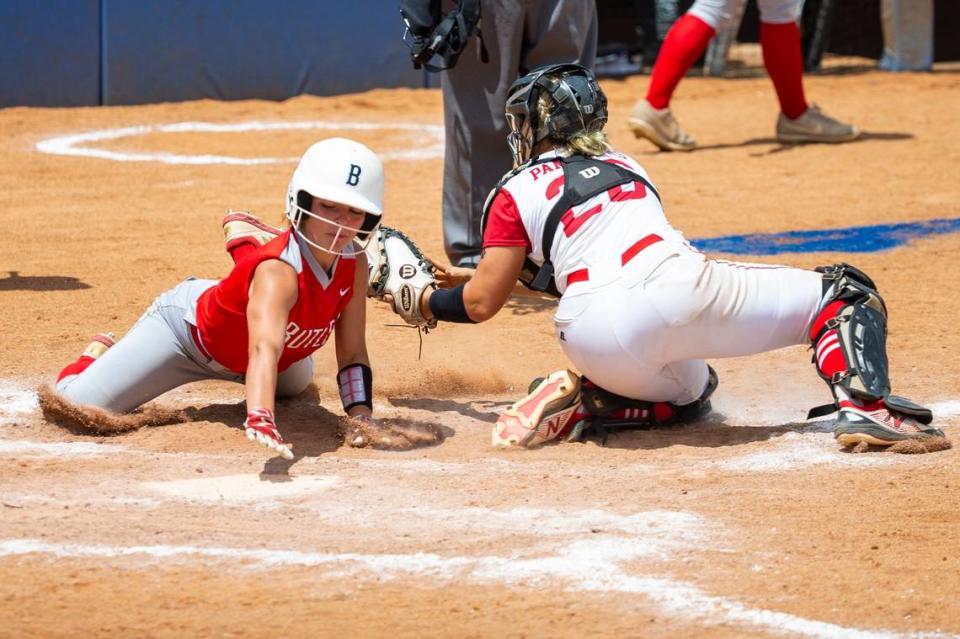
{"points": [[399, 269]]}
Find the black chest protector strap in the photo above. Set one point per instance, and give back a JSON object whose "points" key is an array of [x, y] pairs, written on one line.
{"points": [[583, 179]]}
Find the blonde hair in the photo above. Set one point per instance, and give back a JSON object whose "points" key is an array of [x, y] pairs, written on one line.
{"points": [[589, 143]]}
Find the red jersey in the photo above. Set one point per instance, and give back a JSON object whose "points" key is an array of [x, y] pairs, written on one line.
{"points": [[222, 309]]}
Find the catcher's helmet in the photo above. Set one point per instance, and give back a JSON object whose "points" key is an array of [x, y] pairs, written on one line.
{"points": [[577, 105], [341, 171]]}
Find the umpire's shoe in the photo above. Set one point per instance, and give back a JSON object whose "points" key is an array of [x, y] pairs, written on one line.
{"points": [[814, 126], [875, 423], [240, 227]]}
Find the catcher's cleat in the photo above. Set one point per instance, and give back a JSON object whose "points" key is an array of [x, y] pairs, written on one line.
{"points": [[550, 411], [814, 126], [878, 424], [612, 410], [240, 227], [660, 127]]}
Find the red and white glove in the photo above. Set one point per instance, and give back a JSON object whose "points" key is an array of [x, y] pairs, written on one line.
{"points": [[262, 428]]}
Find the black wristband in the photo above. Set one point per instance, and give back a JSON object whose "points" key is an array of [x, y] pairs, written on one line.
{"points": [[356, 386], [447, 305]]}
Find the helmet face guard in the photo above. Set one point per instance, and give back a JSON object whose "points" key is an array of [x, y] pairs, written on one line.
{"points": [[362, 234], [578, 105]]}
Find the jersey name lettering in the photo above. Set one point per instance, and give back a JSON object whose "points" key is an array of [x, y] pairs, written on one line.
{"points": [[312, 338]]}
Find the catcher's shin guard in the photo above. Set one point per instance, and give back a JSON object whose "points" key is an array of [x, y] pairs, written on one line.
{"points": [[849, 340]]}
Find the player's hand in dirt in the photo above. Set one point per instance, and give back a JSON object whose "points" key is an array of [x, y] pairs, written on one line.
{"points": [[262, 428], [360, 431]]}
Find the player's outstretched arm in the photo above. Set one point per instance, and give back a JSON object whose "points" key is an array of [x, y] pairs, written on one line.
{"points": [[273, 292]]}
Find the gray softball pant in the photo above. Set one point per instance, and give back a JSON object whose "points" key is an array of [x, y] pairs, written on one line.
{"points": [[158, 354], [519, 36]]}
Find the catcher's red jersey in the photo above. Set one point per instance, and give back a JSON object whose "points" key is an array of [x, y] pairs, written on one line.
{"points": [[222, 309]]}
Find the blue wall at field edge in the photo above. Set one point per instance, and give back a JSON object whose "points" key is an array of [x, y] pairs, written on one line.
{"points": [[88, 52], [49, 52]]}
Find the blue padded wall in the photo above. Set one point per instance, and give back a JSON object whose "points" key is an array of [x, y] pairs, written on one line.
{"points": [[49, 52], [167, 50]]}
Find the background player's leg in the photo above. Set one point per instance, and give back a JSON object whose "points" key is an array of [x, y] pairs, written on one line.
{"points": [[783, 59], [687, 39]]}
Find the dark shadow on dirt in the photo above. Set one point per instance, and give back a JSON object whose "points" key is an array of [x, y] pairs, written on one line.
{"points": [[467, 408], [710, 432], [522, 305], [16, 282], [866, 136]]}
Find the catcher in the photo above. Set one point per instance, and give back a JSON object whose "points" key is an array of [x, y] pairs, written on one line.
{"points": [[640, 308], [287, 293]]}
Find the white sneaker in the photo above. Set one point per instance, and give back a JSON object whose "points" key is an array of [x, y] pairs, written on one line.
{"points": [[814, 126], [660, 127]]}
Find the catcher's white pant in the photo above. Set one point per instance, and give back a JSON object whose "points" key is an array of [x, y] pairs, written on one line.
{"points": [[643, 332], [717, 13]]}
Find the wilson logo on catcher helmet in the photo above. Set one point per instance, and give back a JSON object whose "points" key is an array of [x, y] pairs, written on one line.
{"points": [[406, 298], [407, 271]]}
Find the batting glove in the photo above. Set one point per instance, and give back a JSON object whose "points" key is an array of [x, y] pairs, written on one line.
{"points": [[261, 428]]}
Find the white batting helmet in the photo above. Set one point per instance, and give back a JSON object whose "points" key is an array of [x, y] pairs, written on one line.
{"points": [[341, 171]]}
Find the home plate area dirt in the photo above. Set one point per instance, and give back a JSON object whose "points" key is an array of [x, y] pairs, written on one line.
{"points": [[751, 523]]}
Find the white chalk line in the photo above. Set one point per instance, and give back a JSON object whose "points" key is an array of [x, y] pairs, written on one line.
{"points": [[428, 143], [590, 565]]}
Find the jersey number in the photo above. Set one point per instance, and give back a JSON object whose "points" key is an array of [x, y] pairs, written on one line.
{"points": [[630, 191]]}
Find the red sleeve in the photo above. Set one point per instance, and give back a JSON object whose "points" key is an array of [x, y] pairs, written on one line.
{"points": [[504, 226]]}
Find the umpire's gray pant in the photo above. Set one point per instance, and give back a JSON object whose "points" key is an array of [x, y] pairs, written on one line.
{"points": [[519, 36]]}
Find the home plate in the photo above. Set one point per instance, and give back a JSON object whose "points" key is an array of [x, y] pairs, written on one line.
{"points": [[239, 488]]}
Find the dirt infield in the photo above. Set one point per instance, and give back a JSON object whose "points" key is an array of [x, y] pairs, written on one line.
{"points": [[753, 523]]}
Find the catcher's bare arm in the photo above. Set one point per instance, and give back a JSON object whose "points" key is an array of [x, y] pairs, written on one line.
{"points": [[487, 291]]}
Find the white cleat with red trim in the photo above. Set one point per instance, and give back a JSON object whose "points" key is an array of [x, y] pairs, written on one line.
{"points": [[550, 411]]}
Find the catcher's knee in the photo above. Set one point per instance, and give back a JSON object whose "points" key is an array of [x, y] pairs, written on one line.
{"points": [[853, 320]]}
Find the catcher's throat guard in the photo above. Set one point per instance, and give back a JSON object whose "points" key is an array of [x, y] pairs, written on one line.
{"points": [[583, 179]]}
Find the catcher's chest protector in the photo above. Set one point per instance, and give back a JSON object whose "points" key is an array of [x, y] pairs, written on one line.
{"points": [[583, 178]]}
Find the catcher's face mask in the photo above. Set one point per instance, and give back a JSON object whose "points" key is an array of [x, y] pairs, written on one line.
{"points": [[577, 104]]}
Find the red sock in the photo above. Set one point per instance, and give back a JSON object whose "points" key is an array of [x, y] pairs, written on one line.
{"points": [[784, 62], [686, 40], [76, 367], [241, 250]]}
